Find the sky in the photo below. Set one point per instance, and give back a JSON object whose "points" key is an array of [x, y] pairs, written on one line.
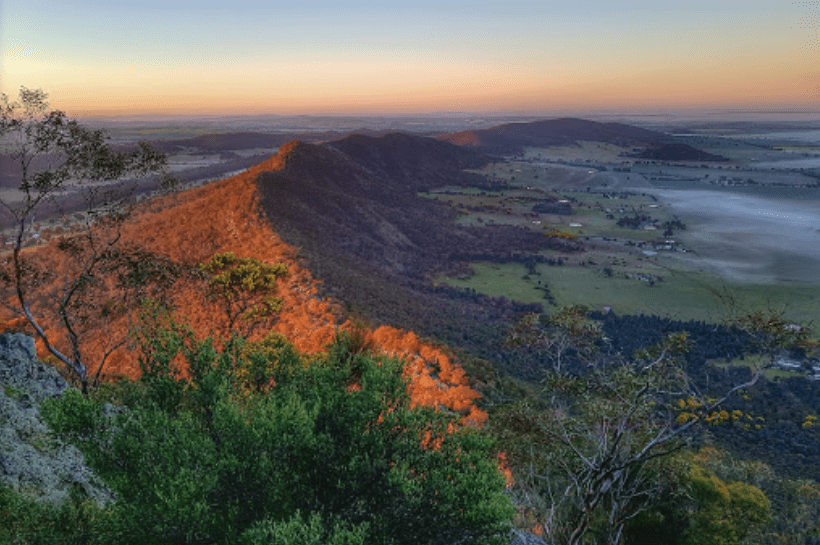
{"points": [[96, 57]]}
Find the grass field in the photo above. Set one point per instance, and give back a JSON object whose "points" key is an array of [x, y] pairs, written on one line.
{"points": [[509, 280], [755, 361], [680, 295], [513, 206]]}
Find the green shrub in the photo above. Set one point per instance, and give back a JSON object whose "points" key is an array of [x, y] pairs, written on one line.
{"points": [[298, 531], [24, 521], [249, 445]]}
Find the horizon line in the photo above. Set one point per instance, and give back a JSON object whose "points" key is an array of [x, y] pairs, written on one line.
{"points": [[649, 112]]}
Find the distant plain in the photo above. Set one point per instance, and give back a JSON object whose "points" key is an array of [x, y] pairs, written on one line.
{"points": [[752, 239]]}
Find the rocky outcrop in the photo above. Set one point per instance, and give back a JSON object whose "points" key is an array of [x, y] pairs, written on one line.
{"points": [[21, 370], [32, 461]]}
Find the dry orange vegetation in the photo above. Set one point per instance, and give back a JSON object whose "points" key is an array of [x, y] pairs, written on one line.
{"points": [[189, 227]]}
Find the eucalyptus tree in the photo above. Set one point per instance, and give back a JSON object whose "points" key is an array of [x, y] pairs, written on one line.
{"points": [[56, 165], [598, 447]]}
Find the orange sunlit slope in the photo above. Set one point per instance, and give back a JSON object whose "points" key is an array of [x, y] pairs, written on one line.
{"points": [[191, 226]]}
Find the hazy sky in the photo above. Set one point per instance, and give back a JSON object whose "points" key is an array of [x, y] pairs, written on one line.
{"points": [[242, 56]]}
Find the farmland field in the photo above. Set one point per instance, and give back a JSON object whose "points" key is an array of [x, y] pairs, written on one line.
{"points": [[679, 295], [751, 238]]}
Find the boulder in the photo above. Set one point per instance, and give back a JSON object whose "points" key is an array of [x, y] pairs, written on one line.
{"points": [[32, 461], [21, 370]]}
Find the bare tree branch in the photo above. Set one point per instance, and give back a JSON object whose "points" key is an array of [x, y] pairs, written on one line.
{"points": [[58, 157]]}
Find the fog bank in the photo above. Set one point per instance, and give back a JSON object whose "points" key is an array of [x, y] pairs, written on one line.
{"points": [[750, 239]]}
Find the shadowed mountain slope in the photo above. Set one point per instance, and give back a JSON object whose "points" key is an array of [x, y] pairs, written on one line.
{"points": [[353, 209], [358, 199], [514, 137], [553, 132]]}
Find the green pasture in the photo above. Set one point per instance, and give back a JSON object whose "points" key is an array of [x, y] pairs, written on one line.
{"points": [[508, 280], [517, 173], [680, 295], [755, 362], [594, 223], [514, 207], [677, 296], [511, 206]]}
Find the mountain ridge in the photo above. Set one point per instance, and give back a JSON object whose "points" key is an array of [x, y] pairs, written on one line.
{"points": [[184, 229], [356, 211], [512, 138]]}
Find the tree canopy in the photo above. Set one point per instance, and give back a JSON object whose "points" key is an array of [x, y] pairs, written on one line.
{"points": [[330, 451]]}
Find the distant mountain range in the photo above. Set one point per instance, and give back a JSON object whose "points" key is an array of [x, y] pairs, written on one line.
{"points": [[514, 137], [501, 140], [216, 142], [554, 132], [353, 208]]}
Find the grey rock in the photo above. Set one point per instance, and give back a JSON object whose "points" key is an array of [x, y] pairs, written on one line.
{"points": [[32, 460], [21, 371]]}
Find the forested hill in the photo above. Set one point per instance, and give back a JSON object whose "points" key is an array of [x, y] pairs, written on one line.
{"points": [[353, 209], [555, 132], [514, 137]]}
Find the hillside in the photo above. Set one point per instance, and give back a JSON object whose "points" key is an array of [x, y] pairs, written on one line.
{"points": [[353, 209], [514, 137], [358, 197], [181, 230], [553, 132]]}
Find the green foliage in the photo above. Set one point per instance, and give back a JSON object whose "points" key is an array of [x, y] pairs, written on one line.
{"points": [[267, 361], [772, 333], [725, 512], [24, 521], [245, 285], [298, 531], [599, 448], [795, 503], [262, 443], [161, 339], [75, 416], [564, 331]]}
